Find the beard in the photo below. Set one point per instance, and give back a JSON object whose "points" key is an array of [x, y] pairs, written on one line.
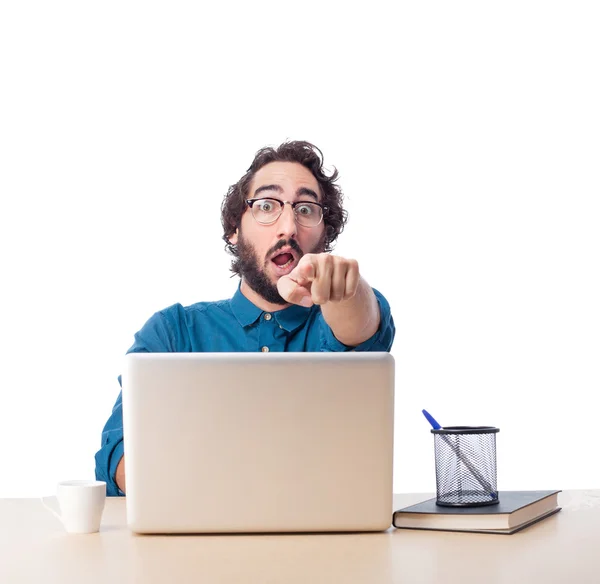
{"points": [[256, 276]]}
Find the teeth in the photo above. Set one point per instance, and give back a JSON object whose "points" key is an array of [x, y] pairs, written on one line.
{"points": [[282, 266]]}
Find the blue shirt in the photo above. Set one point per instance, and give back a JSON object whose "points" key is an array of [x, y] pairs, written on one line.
{"points": [[234, 325]]}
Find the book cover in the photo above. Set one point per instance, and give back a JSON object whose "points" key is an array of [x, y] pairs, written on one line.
{"points": [[515, 511]]}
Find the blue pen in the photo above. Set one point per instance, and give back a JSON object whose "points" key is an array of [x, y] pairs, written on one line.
{"points": [[436, 426], [431, 420]]}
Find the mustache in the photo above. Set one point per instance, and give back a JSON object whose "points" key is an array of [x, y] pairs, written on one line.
{"points": [[283, 243]]}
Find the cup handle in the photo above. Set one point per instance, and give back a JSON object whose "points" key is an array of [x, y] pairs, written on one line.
{"points": [[42, 499]]}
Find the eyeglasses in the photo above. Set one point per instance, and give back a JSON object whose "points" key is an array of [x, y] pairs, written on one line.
{"points": [[267, 211]]}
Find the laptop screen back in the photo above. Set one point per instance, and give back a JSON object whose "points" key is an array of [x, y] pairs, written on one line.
{"points": [[254, 442]]}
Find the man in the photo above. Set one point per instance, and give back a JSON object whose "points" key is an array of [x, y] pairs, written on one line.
{"points": [[280, 220]]}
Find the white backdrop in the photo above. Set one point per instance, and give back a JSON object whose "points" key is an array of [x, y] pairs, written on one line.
{"points": [[467, 139]]}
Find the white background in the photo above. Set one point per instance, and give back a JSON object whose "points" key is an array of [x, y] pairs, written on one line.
{"points": [[467, 136]]}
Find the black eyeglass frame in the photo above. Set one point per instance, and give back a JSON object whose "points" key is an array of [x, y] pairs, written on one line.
{"points": [[324, 209]]}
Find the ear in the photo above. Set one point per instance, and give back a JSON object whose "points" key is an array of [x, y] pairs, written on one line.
{"points": [[234, 238]]}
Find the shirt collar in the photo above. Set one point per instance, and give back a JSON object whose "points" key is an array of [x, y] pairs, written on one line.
{"points": [[292, 317], [246, 313]]}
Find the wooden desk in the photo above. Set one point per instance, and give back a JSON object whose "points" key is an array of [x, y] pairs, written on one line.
{"points": [[562, 549]]}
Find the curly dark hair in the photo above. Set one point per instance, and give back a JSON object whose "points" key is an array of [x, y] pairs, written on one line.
{"points": [[305, 153]]}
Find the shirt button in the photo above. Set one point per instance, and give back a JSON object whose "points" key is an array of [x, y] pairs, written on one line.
{"points": [[267, 316], [265, 349]]}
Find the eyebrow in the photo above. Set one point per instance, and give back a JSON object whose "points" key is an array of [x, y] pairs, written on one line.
{"points": [[301, 191]]}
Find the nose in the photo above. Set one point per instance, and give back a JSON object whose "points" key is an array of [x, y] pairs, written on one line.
{"points": [[286, 224]]}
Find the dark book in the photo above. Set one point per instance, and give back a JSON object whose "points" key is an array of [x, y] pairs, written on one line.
{"points": [[515, 511]]}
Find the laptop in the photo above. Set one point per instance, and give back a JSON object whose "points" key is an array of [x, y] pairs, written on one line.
{"points": [[258, 442]]}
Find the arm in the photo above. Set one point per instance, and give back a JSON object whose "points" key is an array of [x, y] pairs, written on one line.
{"points": [[355, 320], [110, 465], [111, 451], [120, 474]]}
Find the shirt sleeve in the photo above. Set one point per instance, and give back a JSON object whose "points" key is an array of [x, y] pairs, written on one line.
{"points": [[111, 450], [155, 336], [382, 340]]}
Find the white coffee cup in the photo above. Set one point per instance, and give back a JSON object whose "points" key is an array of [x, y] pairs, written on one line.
{"points": [[81, 505]]}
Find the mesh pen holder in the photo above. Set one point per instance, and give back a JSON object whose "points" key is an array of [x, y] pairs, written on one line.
{"points": [[465, 466]]}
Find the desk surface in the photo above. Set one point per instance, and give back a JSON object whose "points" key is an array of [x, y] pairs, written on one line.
{"points": [[563, 548]]}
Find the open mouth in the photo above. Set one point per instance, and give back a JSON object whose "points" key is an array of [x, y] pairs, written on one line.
{"points": [[283, 260]]}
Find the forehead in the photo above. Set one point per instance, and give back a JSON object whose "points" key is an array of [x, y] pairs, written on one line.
{"points": [[289, 175]]}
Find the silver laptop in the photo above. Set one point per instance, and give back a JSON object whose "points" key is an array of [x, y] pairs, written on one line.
{"points": [[255, 442]]}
